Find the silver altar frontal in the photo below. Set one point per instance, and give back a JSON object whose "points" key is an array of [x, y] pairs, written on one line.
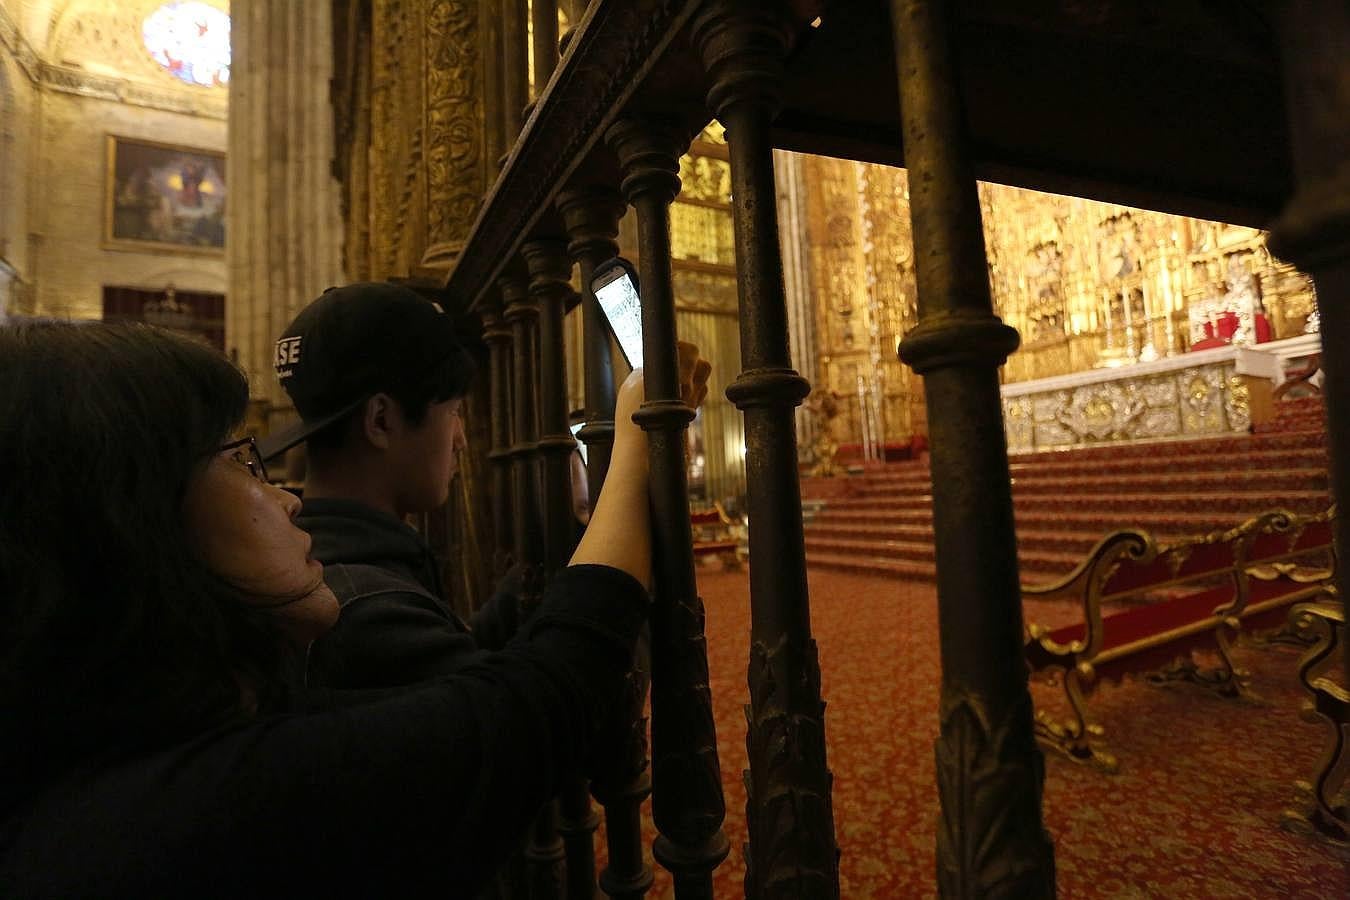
{"points": [[1207, 392]]}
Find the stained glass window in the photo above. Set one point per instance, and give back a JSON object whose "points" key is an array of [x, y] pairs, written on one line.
{"points": [[191, 40]]}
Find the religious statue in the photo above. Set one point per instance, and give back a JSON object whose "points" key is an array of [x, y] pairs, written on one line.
{"points": [[824, 403]]}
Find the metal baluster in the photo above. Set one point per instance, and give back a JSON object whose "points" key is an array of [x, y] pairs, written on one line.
{"points": [[497, 333], [791, 849], [526, 516], [1312, 231], [687, 800], [550, 268], [991, 840], [592, 219]]}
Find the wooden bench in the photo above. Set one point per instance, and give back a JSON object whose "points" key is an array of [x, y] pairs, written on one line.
{"points": [[1324, 811], [1192, 595], [713, 535]]}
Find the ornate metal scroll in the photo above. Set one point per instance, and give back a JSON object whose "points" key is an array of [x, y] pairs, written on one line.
{"points": [[992, 841], [791, 851], [455, 127]]}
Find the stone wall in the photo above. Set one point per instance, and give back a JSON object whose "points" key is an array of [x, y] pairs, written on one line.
{"points": [[71, 74]]}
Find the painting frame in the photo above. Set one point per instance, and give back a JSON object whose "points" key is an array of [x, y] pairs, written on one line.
{"points": [[149, 208]]}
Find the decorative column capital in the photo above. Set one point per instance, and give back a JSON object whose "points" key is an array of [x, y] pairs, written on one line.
{"points": [[549, 266], [495, 328], [743, 44], [591, 216], [516, 298], [649, 154]]}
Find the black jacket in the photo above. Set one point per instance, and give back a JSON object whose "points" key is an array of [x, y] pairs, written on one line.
{"points": [[418, 792], [395, 628]]}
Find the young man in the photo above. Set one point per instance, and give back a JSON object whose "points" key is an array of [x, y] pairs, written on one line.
{"points": [[379, 379]]}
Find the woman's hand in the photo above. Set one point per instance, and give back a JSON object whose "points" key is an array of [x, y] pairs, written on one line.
{"points": [[619, 533], [694, 374]]}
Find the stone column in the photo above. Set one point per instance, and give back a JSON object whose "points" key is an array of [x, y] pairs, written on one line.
{"points": [[544, 17], [285, 232], [991, 841], [789, 812]]}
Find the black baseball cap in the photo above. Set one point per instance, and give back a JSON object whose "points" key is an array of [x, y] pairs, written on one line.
{"points": [[356, 341]]}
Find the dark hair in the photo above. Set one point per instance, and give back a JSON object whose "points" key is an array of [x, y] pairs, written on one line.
{"points": [[116, 637], [452, 378]]}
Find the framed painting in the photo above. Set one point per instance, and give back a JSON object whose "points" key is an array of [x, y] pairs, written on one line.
{"points": [[164, 197]]}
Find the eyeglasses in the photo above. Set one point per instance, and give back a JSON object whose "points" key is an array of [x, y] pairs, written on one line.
{"points": [[245, 452]]}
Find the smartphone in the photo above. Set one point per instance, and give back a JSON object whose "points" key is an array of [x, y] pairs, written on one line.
{"points": [[615, 284], [580, 446]]}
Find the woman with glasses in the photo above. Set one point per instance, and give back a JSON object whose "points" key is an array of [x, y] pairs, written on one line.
{"points": [[157, 603]]}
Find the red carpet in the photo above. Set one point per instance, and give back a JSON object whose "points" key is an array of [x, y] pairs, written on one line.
{"points": [[1193, 814], [880, 523]]}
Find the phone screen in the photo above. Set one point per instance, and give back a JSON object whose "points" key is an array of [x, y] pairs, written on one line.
{"points": [[619, 299], [580, 446]]}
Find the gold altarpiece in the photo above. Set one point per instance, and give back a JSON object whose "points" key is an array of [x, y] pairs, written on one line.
{"points": [[411, 131], [1087, 285]]}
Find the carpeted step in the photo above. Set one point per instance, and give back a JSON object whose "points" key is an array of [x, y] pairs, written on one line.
{"points": [[1228, 444], [1311, 479], [1280, 480], [1308, 458], [1065, 540], [922, 552], [862, 565], [1065, 501], [1161, 521], [1250, 501]]}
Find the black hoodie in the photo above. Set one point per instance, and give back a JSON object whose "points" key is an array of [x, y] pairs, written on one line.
{"points": [[395, 628]]}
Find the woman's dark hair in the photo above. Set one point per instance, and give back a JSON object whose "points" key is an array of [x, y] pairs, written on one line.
{"points": [[116, 637]]}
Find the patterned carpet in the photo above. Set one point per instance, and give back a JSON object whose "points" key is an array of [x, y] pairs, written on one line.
{"points": [[1193, 814]]}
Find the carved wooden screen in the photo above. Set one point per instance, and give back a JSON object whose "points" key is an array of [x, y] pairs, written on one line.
{"points": [[196, 314]]}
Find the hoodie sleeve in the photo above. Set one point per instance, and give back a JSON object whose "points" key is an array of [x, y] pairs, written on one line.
{"points": [[496, 621], [421, 792], [390, 639]]}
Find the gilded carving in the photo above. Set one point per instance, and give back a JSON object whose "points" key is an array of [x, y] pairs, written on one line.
{"points": [[1199, 400], [705, 178], [454, 126]]}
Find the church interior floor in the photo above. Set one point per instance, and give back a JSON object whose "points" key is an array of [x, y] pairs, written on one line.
{"points": [[1194, 812]]}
